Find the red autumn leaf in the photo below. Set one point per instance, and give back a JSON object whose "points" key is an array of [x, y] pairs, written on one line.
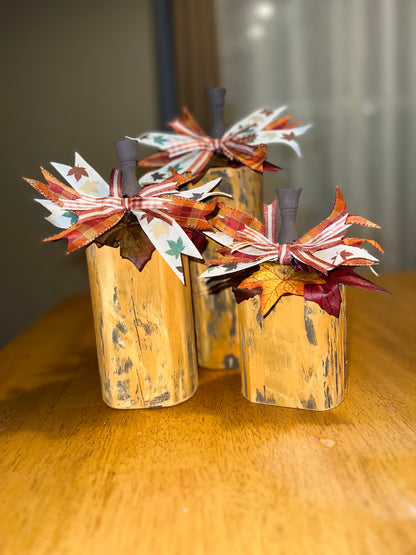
{"points": [[78, 172], [328, 296]]}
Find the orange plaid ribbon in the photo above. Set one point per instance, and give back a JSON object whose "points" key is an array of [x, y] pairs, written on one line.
{"points": [[96, 215]]}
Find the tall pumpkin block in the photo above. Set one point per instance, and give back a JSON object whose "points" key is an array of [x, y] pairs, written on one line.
{"points": [[144, 330], [215, 314]]}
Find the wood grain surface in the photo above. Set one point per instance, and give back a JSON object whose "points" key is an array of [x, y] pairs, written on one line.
{"points": [[216, 474], [295, 357]]}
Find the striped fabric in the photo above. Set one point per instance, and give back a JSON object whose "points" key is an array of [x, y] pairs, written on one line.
{"points": [[323, 248], [96, 215], [252, 156], [269, 216], [230, 220], [190, 149]]}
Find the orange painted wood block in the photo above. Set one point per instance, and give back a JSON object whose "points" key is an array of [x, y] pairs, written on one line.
{"points": [[295, 357], [144, 331], [216, 318]]}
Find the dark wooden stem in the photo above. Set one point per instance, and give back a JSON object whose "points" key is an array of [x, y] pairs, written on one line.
{"points": [[127, 154], [216, 97], [288, 200]]}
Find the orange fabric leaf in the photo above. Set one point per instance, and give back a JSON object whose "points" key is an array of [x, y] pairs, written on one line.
{"points": [[231, 220], [155, 160], [55, 190], [282, 123], [58, 187], [340, 207], [81, 234], [361, 221], [357, 242], [276, 280]]}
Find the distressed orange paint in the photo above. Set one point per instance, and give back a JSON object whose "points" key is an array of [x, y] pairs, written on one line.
{"points": [[295, 357], [216, 317], [144, 330]]}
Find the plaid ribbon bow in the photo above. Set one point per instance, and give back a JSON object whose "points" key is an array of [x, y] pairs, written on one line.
{"points": [[234, 145], [161, 210], [190, 149], [248, 243]]}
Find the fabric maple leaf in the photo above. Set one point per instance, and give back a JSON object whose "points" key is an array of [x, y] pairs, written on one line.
{"points": [[276, 280], [190, 149], [327, 295], [132, 240], [315, 264]]}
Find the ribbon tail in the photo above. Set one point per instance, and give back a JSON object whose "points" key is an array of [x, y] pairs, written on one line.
{"points": [[169, 239], [59, 217], [214, 271], [87, 182], [203, 191], [192, 162], [83, 233]]}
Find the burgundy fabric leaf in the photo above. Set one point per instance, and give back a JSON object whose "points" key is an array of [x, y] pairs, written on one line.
{"points": [[328, 295], [269, 167], [197, 237], [347, 276]]}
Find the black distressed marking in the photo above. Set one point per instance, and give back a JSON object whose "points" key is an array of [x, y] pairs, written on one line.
{"points": [[117, 341], [147, 327], [326, 367], [123, 390], [229, 362], [115, 299], [126, 367], [309, 404], [233, 328], [121, 326], [259, 318], [264, 398], [243, 356], [309, 327], [160, 399], [328, 398], [100, 326]]}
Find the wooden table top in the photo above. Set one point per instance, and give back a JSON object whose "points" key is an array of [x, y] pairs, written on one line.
{"points": [[216, 474]]}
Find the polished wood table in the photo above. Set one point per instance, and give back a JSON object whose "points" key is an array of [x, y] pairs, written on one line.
{"points": [[217, 474]]}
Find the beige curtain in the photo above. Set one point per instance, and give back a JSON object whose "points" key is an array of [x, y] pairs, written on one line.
{"points": [[347, 66], [195, 54]]}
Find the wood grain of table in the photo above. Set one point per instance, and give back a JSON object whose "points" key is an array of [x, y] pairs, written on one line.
{"points": [[216, 474]]}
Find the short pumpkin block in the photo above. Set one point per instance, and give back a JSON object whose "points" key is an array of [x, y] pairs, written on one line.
{"points": [[296, 356]]}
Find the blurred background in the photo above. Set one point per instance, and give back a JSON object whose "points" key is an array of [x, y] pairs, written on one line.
{"points": [[79, 75]]}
